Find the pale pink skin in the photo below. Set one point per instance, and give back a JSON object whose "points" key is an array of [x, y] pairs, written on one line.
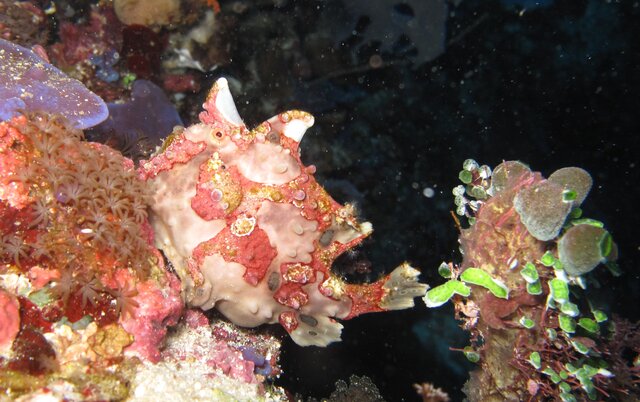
{"points": [[195, 318], [251, 233]]}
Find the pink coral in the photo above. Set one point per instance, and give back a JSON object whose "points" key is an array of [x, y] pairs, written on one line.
{"points": [[156, 309], [74, 229], [251, 233], [13, 191], [9, 320], [231, 363]]}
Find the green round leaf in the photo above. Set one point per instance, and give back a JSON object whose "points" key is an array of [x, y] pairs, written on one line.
{"points": [[528, 323], [534, 359], [465, 176], [476, 276], [529, 273], [471, 354], [579, 347], [589, 324], [599, 316], [548, 259], [570, 309], [534, 288], [559, 290], [553, 376], [470, 164], [444, 270], [569, 195], [441, 294], [566, 323]]}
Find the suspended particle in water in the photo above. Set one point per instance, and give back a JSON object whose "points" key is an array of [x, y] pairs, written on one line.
{"points": [[428, 192]]}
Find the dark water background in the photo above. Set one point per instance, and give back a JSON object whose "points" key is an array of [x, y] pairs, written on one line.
{"points": [[554, 86]]}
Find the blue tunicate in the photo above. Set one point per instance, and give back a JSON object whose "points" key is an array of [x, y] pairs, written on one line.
{"points": [[107, 74], [261, 364], [104, 65], [251, 354], [111, 57], [265, 370], [30, 84]]}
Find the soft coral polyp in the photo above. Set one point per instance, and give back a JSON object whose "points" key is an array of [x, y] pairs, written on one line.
{"points": [[75, 235]]}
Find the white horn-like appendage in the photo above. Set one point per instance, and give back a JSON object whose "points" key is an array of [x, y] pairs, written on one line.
{"points": [[296, 128], [224, 102]]}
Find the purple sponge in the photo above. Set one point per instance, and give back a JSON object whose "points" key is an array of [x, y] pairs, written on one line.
{"points": [[149, 114], [29, 84]]}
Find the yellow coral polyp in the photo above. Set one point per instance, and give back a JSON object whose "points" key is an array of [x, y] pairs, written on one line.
{"points": [[333, 287], [243, 225], [222, 181], [214, 163], [110, 340], [347, 215], [302, 115], [263, 129], [171, 138], [266, 193], [295, 114], [323, 205], [298, 273], [285, 117]]}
